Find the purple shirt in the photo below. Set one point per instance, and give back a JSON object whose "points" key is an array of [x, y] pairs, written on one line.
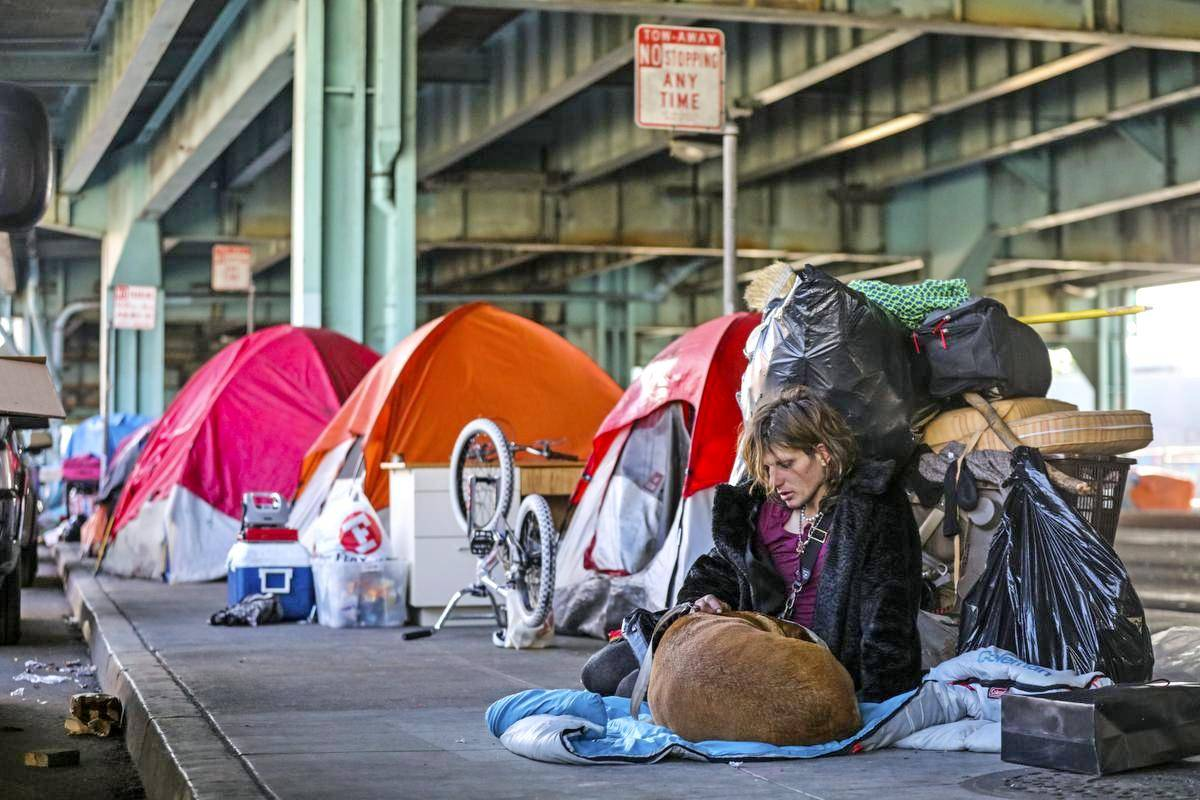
{"points": [[781, 544]]}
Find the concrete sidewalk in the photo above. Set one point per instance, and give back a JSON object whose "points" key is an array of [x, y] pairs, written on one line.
{"points": [[302, 711]]}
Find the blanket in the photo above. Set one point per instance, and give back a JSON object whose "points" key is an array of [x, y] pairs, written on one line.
{"points": [[957, 707]]}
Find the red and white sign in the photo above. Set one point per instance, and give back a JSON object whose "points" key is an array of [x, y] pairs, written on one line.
{"points": [[231, 267], [361, 534], [679, 78], [134, 307]]}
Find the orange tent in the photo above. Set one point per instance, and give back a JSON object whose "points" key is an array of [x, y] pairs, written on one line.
{"points": [[476, 361]]}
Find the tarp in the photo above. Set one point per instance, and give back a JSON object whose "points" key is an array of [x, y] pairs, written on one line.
{"points": [[241, 423], [81, 469], [705, 364], [701, 372], [124, 459], [476, 361], [88, 436]]}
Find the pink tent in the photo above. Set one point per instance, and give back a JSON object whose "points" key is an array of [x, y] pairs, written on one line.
{"points": [[242, 423]]}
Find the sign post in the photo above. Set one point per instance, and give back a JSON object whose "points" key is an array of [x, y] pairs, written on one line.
{"points": [[679, 85]]}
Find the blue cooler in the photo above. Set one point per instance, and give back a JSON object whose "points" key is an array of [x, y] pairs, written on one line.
{"points": [[272, 561]]}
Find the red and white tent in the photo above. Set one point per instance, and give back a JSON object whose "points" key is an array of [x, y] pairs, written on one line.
{"points": [[639, 521], [242, 423]]}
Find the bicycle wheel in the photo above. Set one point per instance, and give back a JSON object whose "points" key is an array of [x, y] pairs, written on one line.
{"points": [[481, 470], [538, 539]]}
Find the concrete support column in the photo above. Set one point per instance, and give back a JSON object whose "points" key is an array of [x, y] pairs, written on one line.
{"points": [[354, 168]]}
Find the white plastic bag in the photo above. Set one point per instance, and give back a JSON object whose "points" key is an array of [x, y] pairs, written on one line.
{"points": [[348, 526]]}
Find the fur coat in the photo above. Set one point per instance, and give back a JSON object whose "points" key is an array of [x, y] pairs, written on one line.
{"points": [[870, 586]]}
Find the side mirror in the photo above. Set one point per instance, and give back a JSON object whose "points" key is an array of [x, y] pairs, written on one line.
{"points": [[25, 161]]}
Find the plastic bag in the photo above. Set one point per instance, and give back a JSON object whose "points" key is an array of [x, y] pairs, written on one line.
{"points": [[1053, 591], [348, 526], [854, 356]]}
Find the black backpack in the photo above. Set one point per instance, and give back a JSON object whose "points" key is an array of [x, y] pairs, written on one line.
{"points": [[978, 347]]}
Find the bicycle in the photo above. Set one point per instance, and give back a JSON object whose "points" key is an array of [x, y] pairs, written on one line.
{"points": [[482, 477]]}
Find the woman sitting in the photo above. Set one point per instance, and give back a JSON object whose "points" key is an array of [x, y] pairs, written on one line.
{"points": [[861, 590]]}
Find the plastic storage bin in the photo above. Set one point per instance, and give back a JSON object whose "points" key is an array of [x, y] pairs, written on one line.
{"points": [[363, 594], [271, 561]]}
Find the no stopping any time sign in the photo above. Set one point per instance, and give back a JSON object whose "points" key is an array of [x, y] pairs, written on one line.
{"points": [[679, 78]]}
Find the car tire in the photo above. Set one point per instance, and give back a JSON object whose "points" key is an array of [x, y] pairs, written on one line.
{"points": [[10, 608], [29, 565]]}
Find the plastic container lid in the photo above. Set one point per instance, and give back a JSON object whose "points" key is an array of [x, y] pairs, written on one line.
{"points": [[271, 535]]}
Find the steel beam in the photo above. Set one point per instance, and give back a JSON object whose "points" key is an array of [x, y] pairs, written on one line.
{"points": [[471, 265], [1101, 209], [526, 82], [262, 145], [44, 68], [140, 33], [212, 38], [1141, 23], [453, 67], [252, 68], [1044, 138], [762, 86], [271, 155], [652, 251], [771, 165]]}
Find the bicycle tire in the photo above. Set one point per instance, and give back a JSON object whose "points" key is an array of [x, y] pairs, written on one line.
{"points": [[537, 597], [505, 474]]}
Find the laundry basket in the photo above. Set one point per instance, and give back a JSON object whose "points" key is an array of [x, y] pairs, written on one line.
{"points": [[1106, 475]]}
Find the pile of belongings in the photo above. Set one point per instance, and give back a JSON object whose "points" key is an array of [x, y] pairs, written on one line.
{"points": [[928, 370]]}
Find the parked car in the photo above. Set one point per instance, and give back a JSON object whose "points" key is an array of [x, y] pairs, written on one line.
{"points": [[27, 396]]}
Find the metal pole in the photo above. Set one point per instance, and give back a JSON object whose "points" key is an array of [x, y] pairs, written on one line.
{"points": [[250, 308], [729, 173], [106, 378]]}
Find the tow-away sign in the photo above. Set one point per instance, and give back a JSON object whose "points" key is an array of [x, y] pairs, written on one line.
{"points": [[679, 79]]}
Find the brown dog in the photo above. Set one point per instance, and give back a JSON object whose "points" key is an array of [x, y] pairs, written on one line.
{"points": [[742, 676]]}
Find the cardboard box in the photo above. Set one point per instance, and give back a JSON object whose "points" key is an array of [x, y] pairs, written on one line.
{"points": [[26, 391]]}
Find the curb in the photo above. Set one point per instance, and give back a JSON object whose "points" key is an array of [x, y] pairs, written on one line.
{"points": [[176, 746]]}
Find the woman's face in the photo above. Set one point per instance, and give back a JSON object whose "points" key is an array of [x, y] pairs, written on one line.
{"points": [[794, 475]]}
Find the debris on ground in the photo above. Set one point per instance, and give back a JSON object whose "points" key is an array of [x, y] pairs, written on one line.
{"points": [[47, 679], [59, 757], [18, 692], [95, 714]]}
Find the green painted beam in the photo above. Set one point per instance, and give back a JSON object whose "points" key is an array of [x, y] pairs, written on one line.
{"points": [[1159, 24], [129, 54], [44, 68]]}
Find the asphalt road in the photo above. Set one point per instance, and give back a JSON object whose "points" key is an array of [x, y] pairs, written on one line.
{"points": [[33, 719]]}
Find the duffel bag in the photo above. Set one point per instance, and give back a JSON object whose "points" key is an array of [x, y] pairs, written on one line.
{"points": [[978, 347], [742, 676]]}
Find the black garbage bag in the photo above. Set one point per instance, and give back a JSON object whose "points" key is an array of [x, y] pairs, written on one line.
{"points": [[1053, 591], [855, 356]]}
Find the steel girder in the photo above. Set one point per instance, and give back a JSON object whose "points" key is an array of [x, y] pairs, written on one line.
{"points": [[1157, 24], [49, 68], [767, 66], [139, 34]]}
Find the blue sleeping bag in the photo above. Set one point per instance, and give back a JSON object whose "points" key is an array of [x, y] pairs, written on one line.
{"points": [[578, 727]]}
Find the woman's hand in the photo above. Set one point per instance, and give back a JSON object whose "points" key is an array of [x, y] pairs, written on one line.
{"points": [[709, 604]]}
